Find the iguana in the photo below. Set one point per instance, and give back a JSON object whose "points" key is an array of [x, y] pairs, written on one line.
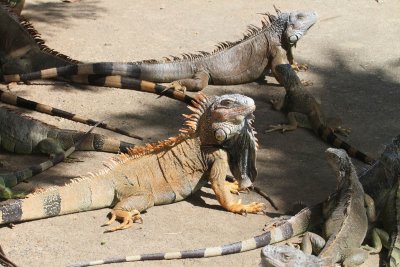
{"points": [[282, 229], [246, 60], [13, 178], [25, 135], [382, 182], [21, 48], [12, 99], [346, 215], [297, 103], [219, 136]]}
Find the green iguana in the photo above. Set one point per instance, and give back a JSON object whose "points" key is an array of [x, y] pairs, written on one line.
{"points": [[297, 103], [282, 229], [25, 135], [13, 178], [12, 99], [246, 60], [346, 214], [219, 136], [382, 182]]}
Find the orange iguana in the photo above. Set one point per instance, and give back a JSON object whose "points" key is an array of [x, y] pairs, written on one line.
{"points": [[219, 137]]}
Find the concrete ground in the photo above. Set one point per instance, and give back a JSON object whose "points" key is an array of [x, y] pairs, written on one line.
{"points": [[354, 58]]}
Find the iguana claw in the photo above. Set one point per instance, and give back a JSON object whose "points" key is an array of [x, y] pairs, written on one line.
{"points": [[254, 207], [299, 67], [128, 218], [177, 86]]}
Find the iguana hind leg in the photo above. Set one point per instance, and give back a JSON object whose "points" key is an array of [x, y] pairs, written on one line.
{"points": [[195, 84], [291, 126], [128, 208]]}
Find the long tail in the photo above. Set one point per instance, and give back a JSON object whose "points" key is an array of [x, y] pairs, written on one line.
{"points": [[12, 99], [13, 178], [331, 138], [296, 225]]}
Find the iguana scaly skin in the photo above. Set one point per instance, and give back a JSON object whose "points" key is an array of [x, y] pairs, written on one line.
{"points": [[13, 178], [246, 60], [21, 48], [288, 256], [382, 182], [12, 99], [24, 135], [294, 226], [219, 136], [299, 102]]}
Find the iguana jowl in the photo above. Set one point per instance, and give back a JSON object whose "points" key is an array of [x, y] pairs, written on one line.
{"points": [[297, 103], [243, 61], [346, 214], [218, 133]]}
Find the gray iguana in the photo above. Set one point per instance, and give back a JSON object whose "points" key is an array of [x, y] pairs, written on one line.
{"points": [[11, 179], [219, 136], [246, 60], [346, 214], [12, 99], [382, 182], [297, 103]]}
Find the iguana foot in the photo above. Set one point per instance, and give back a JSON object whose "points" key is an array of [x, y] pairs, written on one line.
{"points": [[299, 67], [306, 83], [7, 193], [280, 127], [342, 131], [127, 218], [177, 86], [234, 187], [276, 222], [254, 207]]}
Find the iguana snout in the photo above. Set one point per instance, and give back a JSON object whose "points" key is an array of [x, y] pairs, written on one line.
{"points": [[298, 25], [287, 256]]}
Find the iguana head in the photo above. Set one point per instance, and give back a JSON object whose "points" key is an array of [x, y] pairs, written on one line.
{"points": [[287, 256], [225, 121], [297, 25], [390, 159], [340, 162]]}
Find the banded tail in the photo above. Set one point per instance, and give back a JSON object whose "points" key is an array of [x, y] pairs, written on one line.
{"points": [[331, 138], [12, 99], [296, 225], [13, 178]]}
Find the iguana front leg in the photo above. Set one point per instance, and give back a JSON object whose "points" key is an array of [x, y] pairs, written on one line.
{"points": [[195, 84], [128, 208], [217, 176], [291, 126]]}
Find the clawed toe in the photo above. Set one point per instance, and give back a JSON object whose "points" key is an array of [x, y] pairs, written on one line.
{"points": [[127, 218]]}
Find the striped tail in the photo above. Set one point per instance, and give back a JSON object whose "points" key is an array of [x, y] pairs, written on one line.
{"points": [[129, 83], [296, 225], [12, 99], [329, 136], [14, 178], [101, 68], [93, 142]]}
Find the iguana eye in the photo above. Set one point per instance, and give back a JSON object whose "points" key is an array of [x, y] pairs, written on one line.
{"points": [[227, 102]]}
